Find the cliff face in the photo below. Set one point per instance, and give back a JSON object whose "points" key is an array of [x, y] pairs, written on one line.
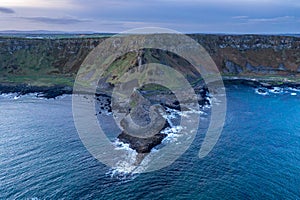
{"points": [[56, 61], [42, 61], [254, 54]]}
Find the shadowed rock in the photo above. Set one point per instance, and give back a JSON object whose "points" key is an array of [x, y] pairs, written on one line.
{"points": [[142, 145], [142, 126]]}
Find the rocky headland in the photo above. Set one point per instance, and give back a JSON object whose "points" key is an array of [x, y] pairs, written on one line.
{"points": [[49, 66]]}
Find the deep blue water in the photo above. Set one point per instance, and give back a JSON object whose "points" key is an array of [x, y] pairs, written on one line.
{"points": [[256, 157]]}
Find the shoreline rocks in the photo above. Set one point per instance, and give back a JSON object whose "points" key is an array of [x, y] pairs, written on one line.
{"points": [[47, 92], [58, 90]]}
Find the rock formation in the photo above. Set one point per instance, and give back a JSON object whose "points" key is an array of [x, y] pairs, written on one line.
{"points": [[142, 126]]}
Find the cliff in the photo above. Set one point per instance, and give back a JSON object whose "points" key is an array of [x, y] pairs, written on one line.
{"points": [[42, 61], [254, 55], [46, 62]]}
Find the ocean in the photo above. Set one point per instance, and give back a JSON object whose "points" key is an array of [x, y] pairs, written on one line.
{"points": [[256, 157]]}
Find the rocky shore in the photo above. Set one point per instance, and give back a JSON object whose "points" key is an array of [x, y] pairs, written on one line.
{"points": [[41, 91], [262, 82], [48, 68], [141, 103], [154, 96]]}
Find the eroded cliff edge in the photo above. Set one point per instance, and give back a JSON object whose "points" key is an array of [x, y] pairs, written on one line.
{"points": [[56, 61], [254, 55]]}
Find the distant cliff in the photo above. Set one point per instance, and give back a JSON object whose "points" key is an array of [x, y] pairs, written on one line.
{"points": [[254, 54], [56, 61]]}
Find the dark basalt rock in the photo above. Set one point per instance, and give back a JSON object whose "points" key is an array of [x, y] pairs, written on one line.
{"points": [[142, 126], [43, 91], [144, 119], [262, 91], [142, 145], [143, 122]]}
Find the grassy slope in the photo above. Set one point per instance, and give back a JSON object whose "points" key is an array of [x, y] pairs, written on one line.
{"points": [[44, 62], [49, 62]]}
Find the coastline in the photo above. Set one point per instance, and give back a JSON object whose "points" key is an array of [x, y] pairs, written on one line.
{"points": [[47, 92], [144, 146], [54, 91], [261, 81]]}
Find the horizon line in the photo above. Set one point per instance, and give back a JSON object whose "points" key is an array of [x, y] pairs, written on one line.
{"points": [[114, 33]]}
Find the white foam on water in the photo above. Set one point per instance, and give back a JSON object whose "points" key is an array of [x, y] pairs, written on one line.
{"points": [[276, 90], [209, 99], [294, 89], [261, 93], [63, 96], [9, 95], [16, 97], [105, 112], [187, 113], [31, 95], [207, 107], [126, 169], [121, 145], [172, 134], [171, 114]]}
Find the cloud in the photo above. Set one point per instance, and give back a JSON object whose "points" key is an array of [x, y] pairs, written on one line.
{"points": [[49, 20], [240, 17], [263, 20], [6, 10], [36, 3], [182, 15], [274, 19], [293, 2]]}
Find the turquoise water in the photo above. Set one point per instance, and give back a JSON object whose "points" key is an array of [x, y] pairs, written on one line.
{"points": [[256, 157]]}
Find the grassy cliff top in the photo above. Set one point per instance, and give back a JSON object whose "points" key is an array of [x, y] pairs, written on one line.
{"points": [[47, 59]]}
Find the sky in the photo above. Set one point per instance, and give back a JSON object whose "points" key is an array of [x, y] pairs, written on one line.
{"points": [[187, 16]]}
